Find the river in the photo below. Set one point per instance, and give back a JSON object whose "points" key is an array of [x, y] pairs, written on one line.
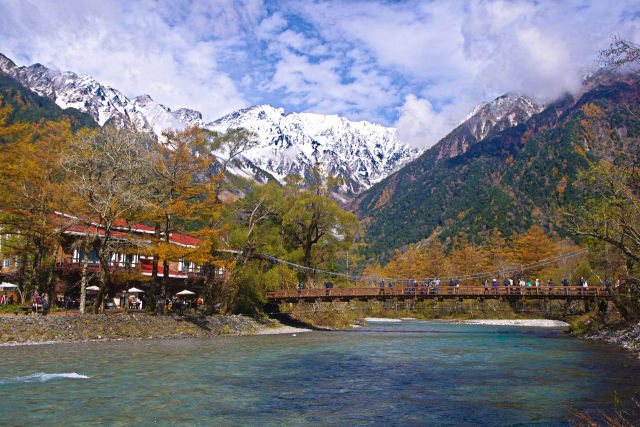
{"points": [[412, 373]]}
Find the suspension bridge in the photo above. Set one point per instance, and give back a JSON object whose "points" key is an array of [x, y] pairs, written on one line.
{"points": [[421, 289], [437, 293]]}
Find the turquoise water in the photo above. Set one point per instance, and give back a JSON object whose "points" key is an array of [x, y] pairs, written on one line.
{"points": [[414, 373]]}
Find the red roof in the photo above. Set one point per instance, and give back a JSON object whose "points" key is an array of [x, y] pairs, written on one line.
{"points": [[181, 239]]}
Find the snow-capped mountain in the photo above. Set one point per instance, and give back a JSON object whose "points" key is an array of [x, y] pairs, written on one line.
{"points": [[361, 152], [486, 118], [101, 102]]}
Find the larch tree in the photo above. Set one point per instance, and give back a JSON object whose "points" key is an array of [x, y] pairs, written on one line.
{"points": [[181, 174], [532, 247], [32, 190], [110, 172], [466, 258], [498, 255], [435, 262]]}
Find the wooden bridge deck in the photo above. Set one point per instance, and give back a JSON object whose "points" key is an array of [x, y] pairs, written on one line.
{"points": [[437, 293]]}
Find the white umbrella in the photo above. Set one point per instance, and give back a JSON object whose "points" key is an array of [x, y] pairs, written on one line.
{"points": [[6, 285], [185, 292], [135, 291], [93, 288]]}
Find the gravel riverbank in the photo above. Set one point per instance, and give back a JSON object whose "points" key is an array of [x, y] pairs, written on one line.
{"points": [[628, 338], [74, 328], [536, 323]]}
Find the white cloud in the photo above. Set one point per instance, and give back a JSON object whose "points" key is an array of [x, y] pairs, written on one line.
{"points": [[419, 125], [422, 65], [133, 49]]}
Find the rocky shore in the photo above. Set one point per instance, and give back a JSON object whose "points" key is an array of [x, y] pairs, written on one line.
{"points": [[74, 328], [628, 338]]}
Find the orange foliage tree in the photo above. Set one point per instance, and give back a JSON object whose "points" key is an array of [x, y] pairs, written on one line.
{"points": [[32, 189], [179, 188]]}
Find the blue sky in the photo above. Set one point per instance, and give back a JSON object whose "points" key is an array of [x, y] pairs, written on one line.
{"points": [[418, 65]]}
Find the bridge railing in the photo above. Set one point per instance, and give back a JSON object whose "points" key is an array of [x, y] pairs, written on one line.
{"points": [[424, 291]]}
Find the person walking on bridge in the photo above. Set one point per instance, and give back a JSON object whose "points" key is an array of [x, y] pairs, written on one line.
{"points": [[584, 285], [328, 285]]}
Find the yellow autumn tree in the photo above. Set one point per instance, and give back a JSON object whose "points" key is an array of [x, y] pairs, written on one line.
{"points": [[435, 262], [32, 189], [535, 245], [466, 258], [498, 254], [179, 186]]}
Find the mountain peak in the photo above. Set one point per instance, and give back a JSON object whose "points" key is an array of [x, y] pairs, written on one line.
{"points": [[361, 152], [6, 63], [486, 118]]}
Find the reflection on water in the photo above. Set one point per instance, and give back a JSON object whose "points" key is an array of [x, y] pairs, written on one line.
{"points": [[409, 373]]}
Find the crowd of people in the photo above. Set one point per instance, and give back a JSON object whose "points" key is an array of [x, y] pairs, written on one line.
{"points": [[435, 284]]}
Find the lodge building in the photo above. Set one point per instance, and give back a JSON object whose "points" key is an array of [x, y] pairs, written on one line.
{"points": [[131, 255]]}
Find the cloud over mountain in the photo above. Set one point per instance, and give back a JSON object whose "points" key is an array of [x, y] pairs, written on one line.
{"points": [[388, 62]]}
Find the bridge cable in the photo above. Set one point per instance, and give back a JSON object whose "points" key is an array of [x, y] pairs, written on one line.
{"points": [[486, 274]]}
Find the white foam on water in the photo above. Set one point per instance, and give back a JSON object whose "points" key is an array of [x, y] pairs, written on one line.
{"points": [[43, 377]]}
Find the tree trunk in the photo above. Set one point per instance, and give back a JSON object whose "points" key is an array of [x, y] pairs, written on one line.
{"points": [[165, 278], [153, 288], [24, 293], [105, 281], [35, 272], [51, 275], [306, 261], [152, 306], [83, 280], [624, 306]]}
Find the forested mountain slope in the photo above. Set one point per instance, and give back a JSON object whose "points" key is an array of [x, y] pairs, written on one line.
{"points": [[27, 106], [510, 180]]}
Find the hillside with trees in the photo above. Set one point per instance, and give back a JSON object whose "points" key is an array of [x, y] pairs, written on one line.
{"points": [[510, 181], [27, 106]]}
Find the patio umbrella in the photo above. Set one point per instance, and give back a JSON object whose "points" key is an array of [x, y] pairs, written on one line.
{"points": [[135, 291], [6, 285], [93, 288], [185, 292]]}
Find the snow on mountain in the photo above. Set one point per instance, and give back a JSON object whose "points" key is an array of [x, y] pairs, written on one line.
{"points": [[101, 102], [361, 152], [486, 118]]}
